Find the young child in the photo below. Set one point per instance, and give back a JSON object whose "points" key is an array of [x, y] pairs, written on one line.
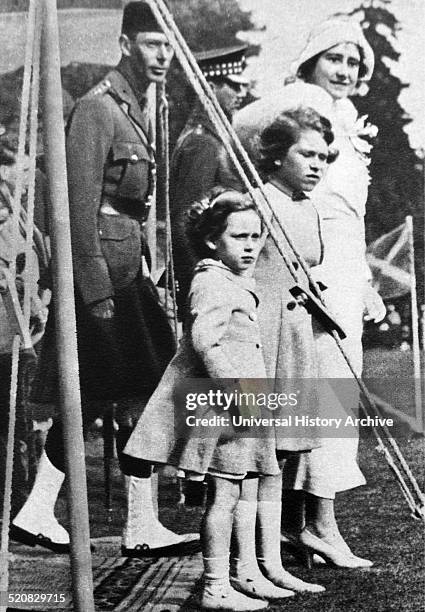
{"points": [[294, 156], [293, 153], [221, 341]]}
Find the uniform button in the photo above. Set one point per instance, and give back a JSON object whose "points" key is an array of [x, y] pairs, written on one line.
{"points": [[258, 345], [100, 232], [134, 158], [291, 305], [252, 316]]}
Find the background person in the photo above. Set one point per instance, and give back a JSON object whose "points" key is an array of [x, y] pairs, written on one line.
{"points": [[293, 155], [199, 161]]}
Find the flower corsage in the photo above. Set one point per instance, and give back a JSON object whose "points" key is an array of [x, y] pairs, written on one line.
{"points": [[360, 135]]}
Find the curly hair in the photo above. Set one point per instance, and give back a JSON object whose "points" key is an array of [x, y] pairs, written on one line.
{"points": [[284, 131], [206, 219]]}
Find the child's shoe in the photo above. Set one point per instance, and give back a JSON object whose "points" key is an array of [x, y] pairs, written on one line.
{"points": [[259, 587], [224, 597]]}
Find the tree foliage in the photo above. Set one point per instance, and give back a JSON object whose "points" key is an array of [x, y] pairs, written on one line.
{"points": [[396, 189], [208, 24]]}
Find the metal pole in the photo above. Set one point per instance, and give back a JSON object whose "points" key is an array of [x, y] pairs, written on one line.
{"points": [[63, 292]]}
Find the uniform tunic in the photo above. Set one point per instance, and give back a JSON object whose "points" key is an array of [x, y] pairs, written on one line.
{"points": [[222, 341], [109, 172], [199, 162]]}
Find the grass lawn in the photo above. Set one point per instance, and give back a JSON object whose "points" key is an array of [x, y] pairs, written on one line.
{"points": [[375, 520], [390, 374], [387, 362]]}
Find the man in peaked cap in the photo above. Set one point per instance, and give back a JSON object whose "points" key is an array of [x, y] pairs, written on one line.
{"points": [[124, 338], [199, 161]]}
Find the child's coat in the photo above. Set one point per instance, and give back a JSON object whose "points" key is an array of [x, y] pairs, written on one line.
{"points": [[222, 341]]}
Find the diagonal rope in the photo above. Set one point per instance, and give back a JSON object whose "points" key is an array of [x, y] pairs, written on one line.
{"points": [[35, 86], [16, 203], [416, 509], [228, 135], [169, 258], [39, 242], [207, 98]]}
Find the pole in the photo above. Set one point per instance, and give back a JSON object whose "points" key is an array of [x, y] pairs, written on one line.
{"points": [[63, 292], [415, 327]]}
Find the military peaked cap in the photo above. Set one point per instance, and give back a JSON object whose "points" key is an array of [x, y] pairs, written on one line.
{"points": [[227, 62]]}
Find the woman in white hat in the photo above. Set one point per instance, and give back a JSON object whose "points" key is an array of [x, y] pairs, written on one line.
{"points": [[336, 61]]}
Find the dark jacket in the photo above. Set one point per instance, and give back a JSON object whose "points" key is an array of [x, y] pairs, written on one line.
{"points": [[199, 162], [109, 173], [110, 176]]}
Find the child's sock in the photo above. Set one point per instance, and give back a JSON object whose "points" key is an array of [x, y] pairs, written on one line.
{"points": [[217, 593], [269, 559], [246, 576]]}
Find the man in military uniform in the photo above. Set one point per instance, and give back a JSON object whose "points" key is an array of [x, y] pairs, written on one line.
{"points": [[124, 339], [200, 161]]}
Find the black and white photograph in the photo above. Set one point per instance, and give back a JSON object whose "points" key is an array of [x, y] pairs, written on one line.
{"points": [[212, 305]]}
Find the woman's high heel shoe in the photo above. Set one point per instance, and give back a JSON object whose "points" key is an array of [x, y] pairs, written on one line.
{"points": [[332, 555]]}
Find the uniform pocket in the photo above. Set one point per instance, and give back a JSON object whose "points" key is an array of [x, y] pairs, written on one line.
{"points": [[121, 246], [132, 159]]}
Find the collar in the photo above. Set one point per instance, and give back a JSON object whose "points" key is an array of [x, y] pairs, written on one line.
{"points": [[299, 196], [245, 282], [296, 196], [123, 89], [200, 117], [140, 92]]}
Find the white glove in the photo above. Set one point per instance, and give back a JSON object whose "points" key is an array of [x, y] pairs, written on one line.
{"points": [[374, 307]]}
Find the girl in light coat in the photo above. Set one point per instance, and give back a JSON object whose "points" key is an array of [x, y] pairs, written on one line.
{"points": [[221, 342], [336, 60]]}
